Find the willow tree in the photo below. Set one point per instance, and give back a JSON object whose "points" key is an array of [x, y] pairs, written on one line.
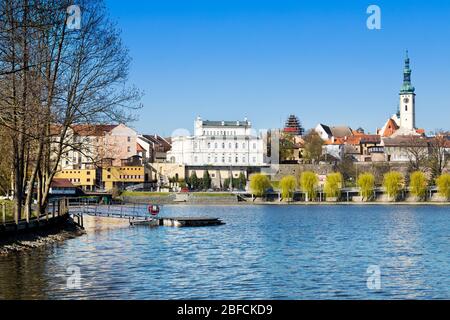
{"points": [[333, 185], [308, 183], [366, 184], [418, 184], [443, 185], [393, 184], [287, 186], [259, 183]]}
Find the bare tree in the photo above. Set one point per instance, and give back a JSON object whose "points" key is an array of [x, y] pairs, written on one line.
{"points": [[439, 152], [417, 151], [52, 78]]}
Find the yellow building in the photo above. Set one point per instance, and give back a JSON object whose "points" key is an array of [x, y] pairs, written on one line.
{"points": [[122, 176], [83, 178]]}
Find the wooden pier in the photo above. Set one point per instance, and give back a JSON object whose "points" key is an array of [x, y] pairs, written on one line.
{"points": [[179, 222], [189, 221]]}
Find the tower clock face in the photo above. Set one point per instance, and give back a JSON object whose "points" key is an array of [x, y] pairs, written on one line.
{"points": [[406, 100]]}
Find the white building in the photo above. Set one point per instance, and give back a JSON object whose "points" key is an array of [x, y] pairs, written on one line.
{"points": [[218, 143]]}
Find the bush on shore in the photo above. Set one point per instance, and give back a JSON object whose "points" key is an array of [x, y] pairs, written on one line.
{"points": [[366, 184], [333, 185], [287, 186], [259, 184], [443, 185], [309, 182], [418, 184], [393, 183]]}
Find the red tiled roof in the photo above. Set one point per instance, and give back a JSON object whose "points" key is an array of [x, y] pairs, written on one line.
{"points": [[62, 183], [390, 128], [139, 148]]}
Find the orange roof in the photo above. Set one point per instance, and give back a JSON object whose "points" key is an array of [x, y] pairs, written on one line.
{"points": [[390, 128], [61, 183], [139, 148]]}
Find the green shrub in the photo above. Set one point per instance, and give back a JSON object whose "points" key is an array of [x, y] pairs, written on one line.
{"points": [[443, 184], [333, 185], [287, 186], [418, 184], [309, 182], [366, 184], [259, 184], [393, 184]]}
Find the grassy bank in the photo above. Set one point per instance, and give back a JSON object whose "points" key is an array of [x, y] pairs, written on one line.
{"points": [[211, 194], [144, 194]]}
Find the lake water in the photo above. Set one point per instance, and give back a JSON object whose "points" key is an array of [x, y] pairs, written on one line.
{"points": [[263, 252]]}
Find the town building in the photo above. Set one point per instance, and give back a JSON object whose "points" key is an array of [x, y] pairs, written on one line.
{"points": [[218, 143], [89, 144], [153, 148], [223, 148]]}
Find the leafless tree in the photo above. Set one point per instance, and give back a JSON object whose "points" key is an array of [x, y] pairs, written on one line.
{"points": [[439, 146], [52, 77], [417, 151]]}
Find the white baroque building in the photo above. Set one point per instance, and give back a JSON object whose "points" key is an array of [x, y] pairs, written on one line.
{"points": [[218, 143]]}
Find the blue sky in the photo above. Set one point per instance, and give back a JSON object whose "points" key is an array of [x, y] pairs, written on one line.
{"points": [[230, 59]]}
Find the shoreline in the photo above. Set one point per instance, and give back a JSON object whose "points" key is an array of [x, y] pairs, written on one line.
{"points": [[39, 238]]}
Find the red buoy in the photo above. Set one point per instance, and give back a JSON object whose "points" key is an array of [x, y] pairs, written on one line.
{"points": [[153, 209]]}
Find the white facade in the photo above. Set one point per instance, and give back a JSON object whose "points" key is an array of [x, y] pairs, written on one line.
{"points": [[218, 143], [407, 111]]}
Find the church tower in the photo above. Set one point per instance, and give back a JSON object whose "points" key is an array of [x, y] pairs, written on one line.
{"points": [[407, 100]]}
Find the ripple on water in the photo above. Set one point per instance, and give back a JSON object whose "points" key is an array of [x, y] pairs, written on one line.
{"points": [[262, 252]]}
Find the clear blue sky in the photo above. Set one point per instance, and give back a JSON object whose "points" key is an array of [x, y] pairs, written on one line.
{"points": [[230, 59]]}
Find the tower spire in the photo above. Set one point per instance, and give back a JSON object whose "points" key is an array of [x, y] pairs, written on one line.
{"points": [[407, 87]]}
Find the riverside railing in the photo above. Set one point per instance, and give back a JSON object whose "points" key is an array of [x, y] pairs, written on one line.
{"points": [[57, 210]]}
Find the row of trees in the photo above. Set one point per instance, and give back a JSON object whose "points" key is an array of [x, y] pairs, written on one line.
{"points": [[205, 182], [52, 77], [393, 183]]}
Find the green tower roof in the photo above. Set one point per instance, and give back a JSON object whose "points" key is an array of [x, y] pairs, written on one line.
{"points": [[407, 87]]}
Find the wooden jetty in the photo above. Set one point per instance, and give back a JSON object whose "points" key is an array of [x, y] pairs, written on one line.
{"points": [[179, 222], [189, 221]]}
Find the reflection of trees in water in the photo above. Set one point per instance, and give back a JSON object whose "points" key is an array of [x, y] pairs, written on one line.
{"points": [[23, 275]]}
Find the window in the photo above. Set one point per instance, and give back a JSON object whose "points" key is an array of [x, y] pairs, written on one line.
{"points": [[243, 159], [229, 145], [88, 172], [215, 145], [243, 145], [209, 145], [195, 159], [129, 149], [254, 145], [237, 160], [406, 108], [237, 145], [129, 139], [223, 145], [223, 159], [215, 159], [254, 159], [88, 180]]}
